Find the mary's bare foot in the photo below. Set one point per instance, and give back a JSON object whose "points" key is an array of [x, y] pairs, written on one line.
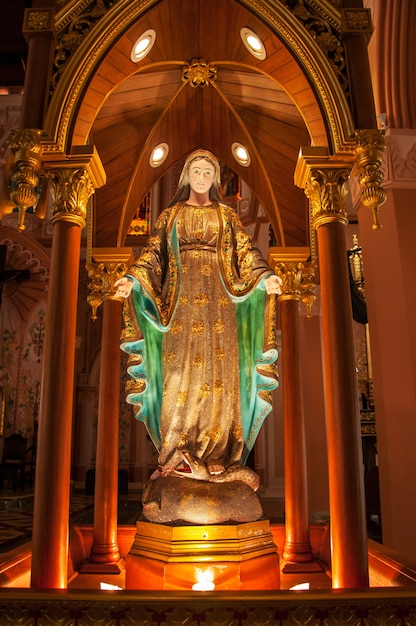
{"points": [[215, 469]]}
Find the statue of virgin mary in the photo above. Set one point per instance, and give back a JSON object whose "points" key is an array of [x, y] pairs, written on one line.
{"points": [[199, 326]]}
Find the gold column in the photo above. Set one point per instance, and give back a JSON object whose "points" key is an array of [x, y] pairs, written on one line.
{"points": [[290, 265], [72, 180], [325, 182], [107, 266]]}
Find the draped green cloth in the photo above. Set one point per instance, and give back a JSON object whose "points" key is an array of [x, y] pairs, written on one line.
{"points": [[200, 330]]}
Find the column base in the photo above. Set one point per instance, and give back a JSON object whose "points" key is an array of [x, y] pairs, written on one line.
{"points": [[302, 568], [103, 568], [297, 552], [224, 557]]}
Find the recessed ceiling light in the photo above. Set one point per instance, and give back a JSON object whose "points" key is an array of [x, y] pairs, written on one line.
{"points": [[159, 154], [143, 45], [253, 43], [241, 154]]}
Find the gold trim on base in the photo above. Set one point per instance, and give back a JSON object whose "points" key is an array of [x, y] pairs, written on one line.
{"points": [[238, 542]]}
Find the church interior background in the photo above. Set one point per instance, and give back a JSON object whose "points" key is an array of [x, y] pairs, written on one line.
{"points": [[324, 110]]}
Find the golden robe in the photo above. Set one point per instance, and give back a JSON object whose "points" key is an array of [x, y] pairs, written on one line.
{"points": [[200, 331]]}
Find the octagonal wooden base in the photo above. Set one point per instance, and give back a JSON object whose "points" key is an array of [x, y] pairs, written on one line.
{"points": [[241, 556]]}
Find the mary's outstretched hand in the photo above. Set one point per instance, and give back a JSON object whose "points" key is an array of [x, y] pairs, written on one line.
{"points": [[273, 284], [124, 286]]}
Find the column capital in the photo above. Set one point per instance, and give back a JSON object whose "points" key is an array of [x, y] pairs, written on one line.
{"points": [[356, 21], [38, 21], [325, 181], [297, 273], [73, 179], [105, 268]]}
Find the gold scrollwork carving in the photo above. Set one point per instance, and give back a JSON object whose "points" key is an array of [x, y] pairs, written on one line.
{"points": [[26, 148], [327, 190], [370, 146], [94, 298], [38, 20], [298, 282], [357, 20], [110, 273], [291, 276], [324, 28], [375, 606], [72, 30], [307, 287], [103, 276], [71, 189], [199, 73]]}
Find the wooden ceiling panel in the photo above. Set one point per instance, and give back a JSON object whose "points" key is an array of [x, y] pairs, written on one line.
{"points": [[130, 108], [247, 85]]}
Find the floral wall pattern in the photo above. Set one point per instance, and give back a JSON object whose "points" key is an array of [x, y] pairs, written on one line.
{"points": [[22, 330], [22, 363]]}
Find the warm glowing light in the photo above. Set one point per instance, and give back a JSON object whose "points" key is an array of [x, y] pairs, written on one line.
{"points": [[203, 586], [205, 580], [159, 154], [143, 45], [107, 586], [253, 43], [300, 587], [241, 154]]}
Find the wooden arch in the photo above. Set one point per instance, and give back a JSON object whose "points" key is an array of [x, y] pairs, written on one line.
{"points": [[312, 106]]}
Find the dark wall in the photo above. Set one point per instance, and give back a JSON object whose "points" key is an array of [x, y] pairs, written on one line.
{"points": [[13, 47]]}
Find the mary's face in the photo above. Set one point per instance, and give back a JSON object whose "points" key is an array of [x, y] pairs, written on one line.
{"points": [[201, 176]]}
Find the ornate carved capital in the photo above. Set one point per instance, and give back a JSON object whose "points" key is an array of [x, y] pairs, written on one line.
{"points": [[26, 147], [327, 190], [298, 283], [106, 267], [38, 20], [291, 275], [370, 147], [72, 180], [297, 274], [356, 21], [325, 181], [71, 189]]}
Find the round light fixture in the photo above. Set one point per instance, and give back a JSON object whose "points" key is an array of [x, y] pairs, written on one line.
{"points": [[253, 43], [159, 154], [143, 45], [241, 154]]}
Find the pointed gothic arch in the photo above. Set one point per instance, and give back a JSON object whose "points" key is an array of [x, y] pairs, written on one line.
{"points": [[298, 64]]}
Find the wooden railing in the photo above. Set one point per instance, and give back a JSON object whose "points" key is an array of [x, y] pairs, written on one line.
{"points": [[391, 599]]}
